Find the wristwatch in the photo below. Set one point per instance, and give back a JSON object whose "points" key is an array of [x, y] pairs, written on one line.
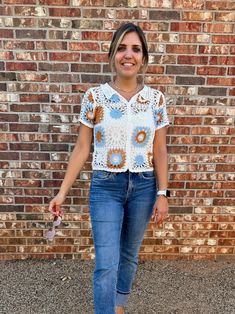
{"points": [[165, 193]]}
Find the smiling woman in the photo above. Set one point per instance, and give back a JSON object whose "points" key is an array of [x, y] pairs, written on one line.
{"points": [[127, 121]]}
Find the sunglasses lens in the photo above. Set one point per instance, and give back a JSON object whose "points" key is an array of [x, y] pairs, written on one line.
{"points": [[57, 221], [50, 234]]}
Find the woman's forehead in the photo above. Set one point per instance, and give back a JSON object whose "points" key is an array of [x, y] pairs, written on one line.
{"points": [[131, 39]]}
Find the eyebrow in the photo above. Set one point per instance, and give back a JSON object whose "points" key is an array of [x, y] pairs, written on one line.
{"points": [[132, 45]]}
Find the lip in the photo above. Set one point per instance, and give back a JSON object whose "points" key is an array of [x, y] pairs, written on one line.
{"points": [[127, 65]]}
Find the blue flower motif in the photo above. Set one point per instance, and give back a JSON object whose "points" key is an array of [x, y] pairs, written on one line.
{"points": [[158, 116], [115, 98], [115, 114], [99, 136], [139, 160], [116, 159], [140, 136], [87, 113]]}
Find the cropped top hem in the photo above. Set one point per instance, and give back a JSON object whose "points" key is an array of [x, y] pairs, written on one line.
{"points": [[123, 170]]}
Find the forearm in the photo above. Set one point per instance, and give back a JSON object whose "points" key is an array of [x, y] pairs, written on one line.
{"points": [[76, 162], [161, 167]]}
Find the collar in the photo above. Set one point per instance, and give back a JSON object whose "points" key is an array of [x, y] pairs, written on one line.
{"points": [[108, 92]]}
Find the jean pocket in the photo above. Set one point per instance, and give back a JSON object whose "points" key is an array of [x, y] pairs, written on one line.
{"points": [[147, 174], [101, 175]]}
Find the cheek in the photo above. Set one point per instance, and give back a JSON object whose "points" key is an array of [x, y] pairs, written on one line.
{"points": [[118, 57]]}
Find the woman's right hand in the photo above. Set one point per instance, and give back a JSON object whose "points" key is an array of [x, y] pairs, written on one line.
{"points": [[57, 201]]}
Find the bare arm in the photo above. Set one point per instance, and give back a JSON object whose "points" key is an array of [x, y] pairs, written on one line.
{"points": [[77, 160], [161, 167], [160, 158]]}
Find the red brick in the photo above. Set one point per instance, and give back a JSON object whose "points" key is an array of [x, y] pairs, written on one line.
{"points": [[90, 35], [90, 3], [59, 56], [184, 4], [232, 92], [225, 17], [197, 16], [181, 49], [225, 39], [192, 60], [4, 55], [185, 27], [222, 60], [231, 71], [227, 149], [87, 46], [214, 49], [210, 70], [89, 57], [6, 33], [220, 5], [34, 98], [6, 10], [68, 12], [18, 45], [25, 66], [20, 1], [221, 81], [218, 28], [54, 2]]}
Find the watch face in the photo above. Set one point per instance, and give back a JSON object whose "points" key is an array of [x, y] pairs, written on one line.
{"points": [[168, 193]]}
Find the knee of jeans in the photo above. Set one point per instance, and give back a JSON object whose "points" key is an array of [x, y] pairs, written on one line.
{"points": [[130, 252], [106, 270]]}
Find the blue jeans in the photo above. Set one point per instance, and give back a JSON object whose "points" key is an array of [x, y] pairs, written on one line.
{"points": [[121, 206]]}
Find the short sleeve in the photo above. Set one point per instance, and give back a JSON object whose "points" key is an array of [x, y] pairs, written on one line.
{"points": [[87, 109], [160, 112]]}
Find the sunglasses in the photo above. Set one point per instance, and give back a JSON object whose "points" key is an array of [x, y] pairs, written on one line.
{"points": [[57, 219]]}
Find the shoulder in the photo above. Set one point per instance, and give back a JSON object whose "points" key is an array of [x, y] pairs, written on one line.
{"points": [[155, 92], [157, 97], [92, 93], [95, 90]]}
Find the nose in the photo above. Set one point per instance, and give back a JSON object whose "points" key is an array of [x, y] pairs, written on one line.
{"points": [[128, 53]]}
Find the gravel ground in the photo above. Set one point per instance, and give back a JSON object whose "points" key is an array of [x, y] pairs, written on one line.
{"points": [[161, 287]]}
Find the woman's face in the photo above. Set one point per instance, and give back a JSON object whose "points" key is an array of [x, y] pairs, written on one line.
{"points": [[129, 56]]}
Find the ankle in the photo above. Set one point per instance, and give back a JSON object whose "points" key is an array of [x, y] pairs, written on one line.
{"points": [[119, 310]]}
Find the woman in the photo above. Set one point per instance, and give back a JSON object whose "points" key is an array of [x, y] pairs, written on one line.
{"points": [[128, 123]]}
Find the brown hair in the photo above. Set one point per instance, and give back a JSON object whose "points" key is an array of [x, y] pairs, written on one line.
{"points": [[117, 38]]}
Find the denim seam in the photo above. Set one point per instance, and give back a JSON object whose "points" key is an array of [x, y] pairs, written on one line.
{"points": [[120, 292]]}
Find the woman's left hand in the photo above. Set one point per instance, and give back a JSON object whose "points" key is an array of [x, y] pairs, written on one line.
{"points": [[160, 209]]}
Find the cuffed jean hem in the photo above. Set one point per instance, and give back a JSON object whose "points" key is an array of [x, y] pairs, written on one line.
{"points": [[121, 299]]}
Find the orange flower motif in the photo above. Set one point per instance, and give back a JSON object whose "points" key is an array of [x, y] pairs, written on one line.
{"points": [[90, 98], [161, 101], [160, 117], [99, 114], [89, 115], [150, 159], [141, 100], [99, 136], [140, 137]]}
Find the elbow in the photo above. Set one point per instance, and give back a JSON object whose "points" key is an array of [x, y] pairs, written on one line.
{"points": [[160, 150]]}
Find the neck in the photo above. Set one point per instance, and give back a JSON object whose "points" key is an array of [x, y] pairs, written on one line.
{"points": [[126, 84]]}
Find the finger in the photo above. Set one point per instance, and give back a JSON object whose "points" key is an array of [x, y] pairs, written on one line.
{"points": [[51, 205]]}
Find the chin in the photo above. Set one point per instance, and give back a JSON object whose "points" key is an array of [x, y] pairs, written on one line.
{"points": [[127, 74]]}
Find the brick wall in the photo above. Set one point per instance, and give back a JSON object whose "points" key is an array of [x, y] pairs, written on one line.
{"points": [[50, 53]]}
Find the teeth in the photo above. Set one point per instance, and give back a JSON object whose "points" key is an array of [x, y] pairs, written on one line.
{"points": [[128, 64]]}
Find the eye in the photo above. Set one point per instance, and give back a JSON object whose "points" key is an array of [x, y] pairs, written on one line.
{"points": [[136, 49], [121, 48]]}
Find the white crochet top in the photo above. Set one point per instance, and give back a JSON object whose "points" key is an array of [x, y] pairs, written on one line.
{"points": [[123, 130]]}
